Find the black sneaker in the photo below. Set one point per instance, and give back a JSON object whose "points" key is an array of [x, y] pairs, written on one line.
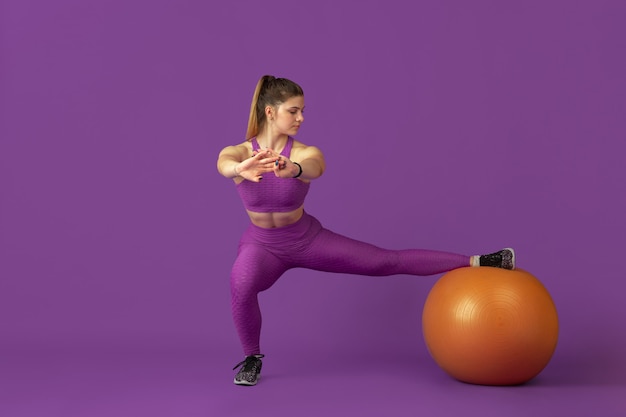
{"points": [[250, 370], [504, 259]]}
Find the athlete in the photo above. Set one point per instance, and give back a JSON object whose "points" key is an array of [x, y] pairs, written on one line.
{"points": [[273, 172]]}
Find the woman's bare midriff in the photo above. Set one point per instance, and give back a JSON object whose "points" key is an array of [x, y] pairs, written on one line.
{"points": [[273, 220]]}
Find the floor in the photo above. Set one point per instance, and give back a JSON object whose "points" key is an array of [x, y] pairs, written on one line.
{"points": [[198, 382]]}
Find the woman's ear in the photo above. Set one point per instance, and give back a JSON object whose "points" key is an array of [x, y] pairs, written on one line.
{"points": [[269, 112]]}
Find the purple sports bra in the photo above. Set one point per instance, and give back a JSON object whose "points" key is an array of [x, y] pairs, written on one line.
{"points": [[273, 194]]}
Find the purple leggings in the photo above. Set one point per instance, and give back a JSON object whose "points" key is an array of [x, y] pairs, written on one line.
{"points": [[265, 254]]}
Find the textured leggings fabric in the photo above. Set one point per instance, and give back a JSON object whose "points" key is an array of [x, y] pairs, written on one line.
{"points": [[265, 254]]}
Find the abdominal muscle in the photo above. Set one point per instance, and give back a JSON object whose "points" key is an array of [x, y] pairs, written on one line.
{"points": [[273, 220]]}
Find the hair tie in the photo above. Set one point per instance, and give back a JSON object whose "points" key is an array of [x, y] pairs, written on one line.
{"points": [[299, 169]]}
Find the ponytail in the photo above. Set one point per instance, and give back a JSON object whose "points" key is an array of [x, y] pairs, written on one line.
{"points": [[255, 115], [269, 91]]}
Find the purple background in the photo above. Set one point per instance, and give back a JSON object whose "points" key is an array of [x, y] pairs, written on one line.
{"points": [[454, 125]]}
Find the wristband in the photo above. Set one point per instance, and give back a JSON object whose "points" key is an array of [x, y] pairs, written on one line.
{"points": [[299, 169]]}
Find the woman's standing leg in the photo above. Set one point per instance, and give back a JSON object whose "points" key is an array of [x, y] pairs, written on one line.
{"points": [[254, 270]]}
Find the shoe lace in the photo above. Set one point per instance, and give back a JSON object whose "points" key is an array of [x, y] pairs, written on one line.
{"points": [[495, 257], [250, 363]]}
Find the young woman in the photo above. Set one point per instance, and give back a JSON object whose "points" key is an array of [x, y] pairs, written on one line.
{"points": [[272, 172]]}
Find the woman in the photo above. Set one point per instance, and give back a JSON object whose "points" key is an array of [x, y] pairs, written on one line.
{"points": [[272, 172]]}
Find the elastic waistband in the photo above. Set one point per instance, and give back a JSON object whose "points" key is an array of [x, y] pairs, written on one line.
{"points": [[305, 226]]}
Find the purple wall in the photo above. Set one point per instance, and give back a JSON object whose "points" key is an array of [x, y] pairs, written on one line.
{"points": [[462, 126]]}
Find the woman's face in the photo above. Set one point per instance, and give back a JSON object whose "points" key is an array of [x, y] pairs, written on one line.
{"points": [[289, 115]]}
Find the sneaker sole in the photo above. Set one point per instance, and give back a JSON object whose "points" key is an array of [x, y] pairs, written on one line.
{"points": [[246, 383]]}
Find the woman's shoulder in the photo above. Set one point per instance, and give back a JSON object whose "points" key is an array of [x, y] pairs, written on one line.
{"points": [[244, 147], [300, 147], [246, 144]]}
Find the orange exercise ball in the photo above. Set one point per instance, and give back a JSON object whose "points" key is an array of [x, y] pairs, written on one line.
{"points": [[490, 326]]}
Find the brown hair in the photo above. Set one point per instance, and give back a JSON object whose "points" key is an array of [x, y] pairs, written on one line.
{"points": [[270, 91]]}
